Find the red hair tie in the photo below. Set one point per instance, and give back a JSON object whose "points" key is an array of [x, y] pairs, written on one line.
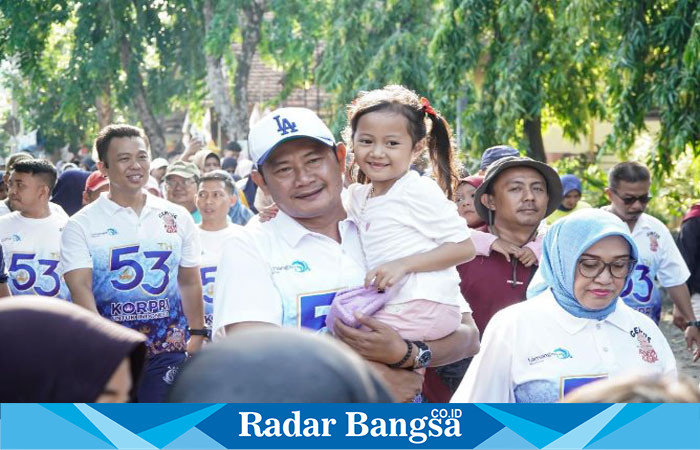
{"points": [[426, 107]]}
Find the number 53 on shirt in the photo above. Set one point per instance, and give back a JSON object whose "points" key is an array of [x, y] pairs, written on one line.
{"points": [[40, 275], [126, 261]]}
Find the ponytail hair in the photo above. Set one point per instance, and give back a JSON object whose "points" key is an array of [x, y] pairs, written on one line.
{"points": [[400, 100]]}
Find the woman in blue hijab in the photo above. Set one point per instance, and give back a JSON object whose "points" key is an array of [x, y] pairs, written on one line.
{"points": [[573, 329]]}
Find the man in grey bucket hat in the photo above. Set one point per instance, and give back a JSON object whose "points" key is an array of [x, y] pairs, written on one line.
{"points": [[516, 195], [538, 202]]}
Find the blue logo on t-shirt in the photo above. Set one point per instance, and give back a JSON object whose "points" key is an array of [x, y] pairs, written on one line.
{"points": [[562, 353], [301, 266]]}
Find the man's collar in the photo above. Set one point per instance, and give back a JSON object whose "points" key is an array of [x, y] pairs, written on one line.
{"points": [[113, 207], [290, 230]]}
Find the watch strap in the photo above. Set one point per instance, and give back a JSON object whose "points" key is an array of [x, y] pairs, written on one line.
{"points": [[198, 331], [409, 349], [695, 324]]}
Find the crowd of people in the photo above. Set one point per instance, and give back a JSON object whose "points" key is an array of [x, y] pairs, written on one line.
{"points": [[154, 280]]}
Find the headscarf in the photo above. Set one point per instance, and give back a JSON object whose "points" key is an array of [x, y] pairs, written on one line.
{"points": [[69, 188], [693, 212], [569, 183], [563, 245], [54, 351], [278, 365], [200, 158], [228, 163]]}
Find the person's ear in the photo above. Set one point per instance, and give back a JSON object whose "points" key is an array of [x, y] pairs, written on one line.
{"points": [[340, 153], [487, 201], [102, 167], [608, 194], [418, 147], [260, 181]]}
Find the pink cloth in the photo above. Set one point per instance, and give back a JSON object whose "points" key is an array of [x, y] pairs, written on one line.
{"points": [[421, 320]]}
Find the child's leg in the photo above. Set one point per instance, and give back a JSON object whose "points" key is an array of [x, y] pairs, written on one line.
{"points": [[420, 320]]}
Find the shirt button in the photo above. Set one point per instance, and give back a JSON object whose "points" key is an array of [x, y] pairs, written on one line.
{"points": [[605, 349], [597, 326]]}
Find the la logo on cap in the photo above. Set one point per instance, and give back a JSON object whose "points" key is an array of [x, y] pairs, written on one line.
{"points": [[284, 126]]}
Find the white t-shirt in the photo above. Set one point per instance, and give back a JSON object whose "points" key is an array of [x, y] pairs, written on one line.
{"points": [[281, 273], [53, 207], [212, 249], [413, 217], [535, 351], [660, 262], [32, 251], [135, 261]]}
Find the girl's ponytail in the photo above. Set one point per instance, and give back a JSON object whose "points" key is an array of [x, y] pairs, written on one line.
{"points": [[441, 150]]}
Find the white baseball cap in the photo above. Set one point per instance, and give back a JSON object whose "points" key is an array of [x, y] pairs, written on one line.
{"points": [[282, 125], [159, 163]]}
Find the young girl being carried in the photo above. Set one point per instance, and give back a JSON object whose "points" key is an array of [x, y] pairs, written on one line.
{"points": [[410, 231]]}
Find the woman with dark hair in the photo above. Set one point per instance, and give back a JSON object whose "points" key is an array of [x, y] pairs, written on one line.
{"points": [[55, 351], [277, 365], [69, 189]]}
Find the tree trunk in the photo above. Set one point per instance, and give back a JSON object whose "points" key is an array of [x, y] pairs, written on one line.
{"points": [[533, 131], [216, 82], [140, 102], [103, 105], [250, 22]]}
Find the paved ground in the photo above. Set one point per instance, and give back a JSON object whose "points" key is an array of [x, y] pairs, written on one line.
{"points": [[684, 358]]}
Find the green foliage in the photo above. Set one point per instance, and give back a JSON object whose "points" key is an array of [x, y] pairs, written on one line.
{"points": [[513, 61], [372, 43], [656, 68]]}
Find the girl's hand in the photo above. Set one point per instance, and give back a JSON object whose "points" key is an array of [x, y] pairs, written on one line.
{"points": [[505, 248], [268, 213], [526, 256], [386, 275], [381, 343]]}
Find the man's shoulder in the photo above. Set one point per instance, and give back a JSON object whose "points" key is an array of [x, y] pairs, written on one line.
{"points": [[91, 213], [161, 204]]}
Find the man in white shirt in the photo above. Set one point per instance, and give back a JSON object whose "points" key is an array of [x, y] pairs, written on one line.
{"points": [[287, 271], [31, 235], [215, 195], [660, 262], [6, 206], [134, 258]]}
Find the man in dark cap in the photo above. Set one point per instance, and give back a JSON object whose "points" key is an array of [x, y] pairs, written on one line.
{"points": [[493, 154]]}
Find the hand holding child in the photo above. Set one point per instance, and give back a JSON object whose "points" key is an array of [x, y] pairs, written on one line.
{"points": [[386, 275]]}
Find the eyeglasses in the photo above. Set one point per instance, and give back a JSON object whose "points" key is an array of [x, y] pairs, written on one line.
{"points": [[184, 183], [591, 267], [643, 199]]}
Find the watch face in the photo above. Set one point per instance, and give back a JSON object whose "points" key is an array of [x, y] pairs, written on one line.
{"points": [[424, 358]]}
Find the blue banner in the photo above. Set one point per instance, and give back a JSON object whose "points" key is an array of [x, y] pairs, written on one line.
{"points": [[233, 426]]}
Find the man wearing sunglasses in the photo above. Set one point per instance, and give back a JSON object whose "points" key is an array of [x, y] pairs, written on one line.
{"points": [[660, 263]]}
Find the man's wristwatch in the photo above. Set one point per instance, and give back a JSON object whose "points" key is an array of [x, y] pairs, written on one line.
{"points": [[424, 355], [695, 324]]}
